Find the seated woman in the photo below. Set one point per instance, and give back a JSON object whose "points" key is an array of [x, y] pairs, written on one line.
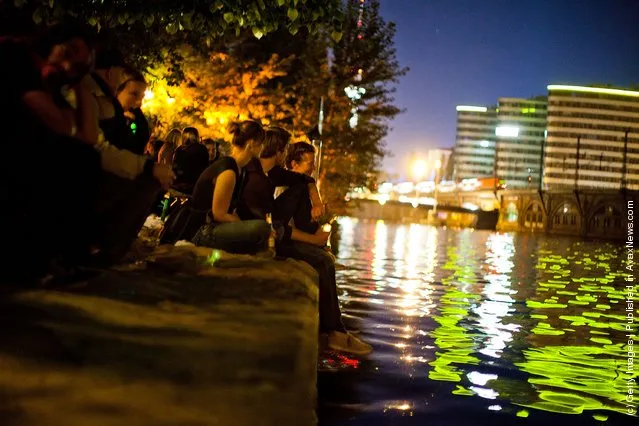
{"points": [[210, 213], [189, 161]]}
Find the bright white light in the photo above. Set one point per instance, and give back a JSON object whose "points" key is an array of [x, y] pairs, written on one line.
{"points": [[385, 188], [594, 90], [470, 206], [354, 118], [383, 199], [484, 144], [470, 108], [148, 94], [405, 187], [507, 131], [354, 93], [480, 379], [171, 100], [419, 169], [565, 209], [446, 186], [415, 203], [426, 187]]}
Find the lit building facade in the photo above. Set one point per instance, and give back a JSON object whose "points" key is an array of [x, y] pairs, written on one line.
{"points": [[592, 139], [474, 155], [520, 130]]}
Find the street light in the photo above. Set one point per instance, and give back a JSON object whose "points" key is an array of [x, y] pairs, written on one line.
{"points": [[438, 166], [419, 169]]}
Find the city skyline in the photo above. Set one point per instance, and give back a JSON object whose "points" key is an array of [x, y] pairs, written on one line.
{"points": [[464, 53]]}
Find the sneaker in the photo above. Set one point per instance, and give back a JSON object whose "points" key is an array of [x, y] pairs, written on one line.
{"points": [[346, 342]]}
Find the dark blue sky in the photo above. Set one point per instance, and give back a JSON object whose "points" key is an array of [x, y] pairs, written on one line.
{"points": [[474, 51]]}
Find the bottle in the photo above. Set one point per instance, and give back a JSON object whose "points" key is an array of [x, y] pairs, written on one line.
{"points": [[271, 237]]}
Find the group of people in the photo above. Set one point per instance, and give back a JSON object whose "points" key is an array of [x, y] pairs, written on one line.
{"points": [[81, 175], [234, 196]]}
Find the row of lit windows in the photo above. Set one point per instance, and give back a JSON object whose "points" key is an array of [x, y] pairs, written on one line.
{"points": [[602, 168], [586, 125], [591, 116], [574, 136], [571, 176], [586, 105], [586, 95]]}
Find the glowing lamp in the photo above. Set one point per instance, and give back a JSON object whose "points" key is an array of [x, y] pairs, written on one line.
{"points": [[507, 131]]}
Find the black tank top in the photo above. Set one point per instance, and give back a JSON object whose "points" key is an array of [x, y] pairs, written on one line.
{"points": [[203, 192]]}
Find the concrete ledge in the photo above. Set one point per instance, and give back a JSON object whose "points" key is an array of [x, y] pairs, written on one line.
{"points": [[232, 344]]}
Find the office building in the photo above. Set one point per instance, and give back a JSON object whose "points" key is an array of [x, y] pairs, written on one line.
{"points": [[521, 124], [593, 138], [474, 155]]}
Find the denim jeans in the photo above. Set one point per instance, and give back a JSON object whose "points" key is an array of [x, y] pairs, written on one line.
{"points": [[244, 237], [323, 262]]}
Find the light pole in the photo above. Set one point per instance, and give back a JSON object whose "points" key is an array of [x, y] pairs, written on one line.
{"points": [[438, 165]]}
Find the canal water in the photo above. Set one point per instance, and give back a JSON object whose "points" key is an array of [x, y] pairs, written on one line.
{"points": [[478, 328]]}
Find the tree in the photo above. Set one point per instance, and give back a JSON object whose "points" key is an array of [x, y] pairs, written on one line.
{"points": [[216, 90], [353, 154], [146, 30]]}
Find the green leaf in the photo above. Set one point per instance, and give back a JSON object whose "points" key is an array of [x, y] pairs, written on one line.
{"points": [[228, 17], [148, 20], [37, 16], [336, 36], [292, 14], [122, 19], [294, 29], [261, 4], [257, 33], [281, 3], [218, 4], [93, 22], [172, 28], [19, 3]]}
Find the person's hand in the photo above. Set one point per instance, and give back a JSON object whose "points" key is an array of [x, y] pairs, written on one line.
{"points": [[163, 174], [317, 212], [320, 238], [130, 115]]}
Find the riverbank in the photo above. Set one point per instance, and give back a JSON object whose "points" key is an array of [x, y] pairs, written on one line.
{"points": [[189, 337]]}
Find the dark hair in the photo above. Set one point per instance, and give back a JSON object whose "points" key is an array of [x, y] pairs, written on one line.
{"points": [[208, 141], [297, 151], [276, 140], [190, 135], [246, 130], [130, 74], [62, 33]]}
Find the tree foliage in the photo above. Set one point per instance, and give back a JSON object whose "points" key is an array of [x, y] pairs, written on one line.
{"points": [[353, 155], [147, 29]]}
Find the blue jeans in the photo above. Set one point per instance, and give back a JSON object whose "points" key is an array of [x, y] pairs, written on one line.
{"points": [[329, 313], [244, 237]]}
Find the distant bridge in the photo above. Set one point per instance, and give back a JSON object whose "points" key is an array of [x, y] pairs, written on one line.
{"points": [[586, 213]]}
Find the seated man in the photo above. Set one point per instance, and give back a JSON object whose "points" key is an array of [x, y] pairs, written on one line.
{"points": [[256, 201]]}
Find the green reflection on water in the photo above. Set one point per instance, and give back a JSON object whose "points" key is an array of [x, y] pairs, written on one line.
{"points": [[569, 340]]}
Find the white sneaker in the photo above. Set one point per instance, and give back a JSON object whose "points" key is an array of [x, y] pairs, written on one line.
{"points": [[346, 342]]}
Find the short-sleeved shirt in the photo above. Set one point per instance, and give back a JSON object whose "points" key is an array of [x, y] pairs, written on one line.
{"points": [[205, 187]]}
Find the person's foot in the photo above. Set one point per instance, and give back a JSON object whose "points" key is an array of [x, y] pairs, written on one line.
{"points": [[346, 342]]}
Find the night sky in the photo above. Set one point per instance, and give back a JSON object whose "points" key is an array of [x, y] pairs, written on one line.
{"points": [[474, 51]]}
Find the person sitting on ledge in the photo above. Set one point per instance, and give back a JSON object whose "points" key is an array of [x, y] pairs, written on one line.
{"points": [[208, 218], [257, 200]]}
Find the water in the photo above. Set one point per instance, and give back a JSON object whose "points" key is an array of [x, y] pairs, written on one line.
{"points": [[478, 328]]}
